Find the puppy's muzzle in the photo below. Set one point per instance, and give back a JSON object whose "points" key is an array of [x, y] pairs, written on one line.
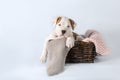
{"points": [[63, 31]]}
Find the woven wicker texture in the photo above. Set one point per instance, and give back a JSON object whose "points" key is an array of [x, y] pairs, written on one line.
{"points": [[82, 52]]}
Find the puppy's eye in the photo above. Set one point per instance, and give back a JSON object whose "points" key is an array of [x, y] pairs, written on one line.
{"points": [[59, 24], [68, 26]]}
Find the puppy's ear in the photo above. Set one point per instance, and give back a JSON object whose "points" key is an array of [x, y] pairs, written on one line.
{"points": [[57, 20], [73, 24]]}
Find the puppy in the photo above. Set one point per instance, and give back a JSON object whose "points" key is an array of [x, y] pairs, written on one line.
{"points": [[64, 29]]}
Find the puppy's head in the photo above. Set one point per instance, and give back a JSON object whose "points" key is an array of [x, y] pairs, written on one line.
{"points": [[64, 26]]}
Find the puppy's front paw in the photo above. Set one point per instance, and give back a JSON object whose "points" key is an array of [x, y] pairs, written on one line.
{"points": [[43, 59], [70, 42]]}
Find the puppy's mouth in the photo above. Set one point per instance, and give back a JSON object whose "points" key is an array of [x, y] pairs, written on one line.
{"points": [[62, 35]]}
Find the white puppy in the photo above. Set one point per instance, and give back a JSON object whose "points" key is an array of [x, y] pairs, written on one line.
{"points": [[64, 28]]}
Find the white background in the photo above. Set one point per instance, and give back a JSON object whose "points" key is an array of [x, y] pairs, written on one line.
{"points": [[24, 24]]}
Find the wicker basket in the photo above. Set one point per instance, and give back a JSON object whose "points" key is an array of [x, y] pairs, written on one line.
{"points": [[82, 52]]}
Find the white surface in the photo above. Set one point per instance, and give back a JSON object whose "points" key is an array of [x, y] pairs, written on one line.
{"points": [[24, 24]]}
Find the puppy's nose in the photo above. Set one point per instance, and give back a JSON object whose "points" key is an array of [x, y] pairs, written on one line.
{"points": [[63, 31]]}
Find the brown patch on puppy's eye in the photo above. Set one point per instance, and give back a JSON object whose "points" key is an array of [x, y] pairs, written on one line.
{"points": [[68, 26]]}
